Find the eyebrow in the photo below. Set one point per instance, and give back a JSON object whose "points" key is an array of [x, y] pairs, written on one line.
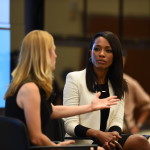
{"points": [[100, 46]]}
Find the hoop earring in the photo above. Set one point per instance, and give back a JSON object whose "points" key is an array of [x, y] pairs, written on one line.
{"points": [[90, 60]]}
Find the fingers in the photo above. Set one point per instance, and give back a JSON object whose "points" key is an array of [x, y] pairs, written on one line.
{"points": [[113, 101], [114, 138], [98, 94], [98, 148], [106, 146], [112, 97], [117, 145], [116, 135], [66, 143], [112, 145]]}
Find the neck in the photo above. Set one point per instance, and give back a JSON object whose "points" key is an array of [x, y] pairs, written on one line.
{"points": [[101, 75]]}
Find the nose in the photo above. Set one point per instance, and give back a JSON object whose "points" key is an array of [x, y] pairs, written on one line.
{"points": [[102, 53]]}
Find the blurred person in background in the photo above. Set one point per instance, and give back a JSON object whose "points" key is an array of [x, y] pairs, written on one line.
{"points": [[137, 104]]}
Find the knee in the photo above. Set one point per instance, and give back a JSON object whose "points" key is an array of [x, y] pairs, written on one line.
{"points": [[136, 142]]}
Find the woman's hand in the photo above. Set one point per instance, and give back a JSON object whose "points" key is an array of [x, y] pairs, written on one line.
{"points": [[107, 139], [104, 103], [98, 148], [104, 137], [72, 141], [68, 142], [113, 143]]}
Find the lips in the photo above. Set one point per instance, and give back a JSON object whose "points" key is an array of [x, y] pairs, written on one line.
{"points": [[101, 61]]}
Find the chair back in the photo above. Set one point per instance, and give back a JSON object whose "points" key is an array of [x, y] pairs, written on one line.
{"points": [[13, 134]]}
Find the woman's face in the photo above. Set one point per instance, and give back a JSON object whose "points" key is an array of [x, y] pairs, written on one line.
{"points": [[53, 57], [101, 54]]}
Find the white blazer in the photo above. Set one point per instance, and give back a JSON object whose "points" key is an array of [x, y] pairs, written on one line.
{"points": [[76, 93]]}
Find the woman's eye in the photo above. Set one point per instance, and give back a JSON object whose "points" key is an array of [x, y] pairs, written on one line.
{"points": [[96, 48], [109, 50]]}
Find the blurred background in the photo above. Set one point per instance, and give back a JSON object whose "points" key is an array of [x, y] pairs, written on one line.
{"points": [[73, 23]]}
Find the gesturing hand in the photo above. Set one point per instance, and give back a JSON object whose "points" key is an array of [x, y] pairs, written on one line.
{"points": [[98, 104]]}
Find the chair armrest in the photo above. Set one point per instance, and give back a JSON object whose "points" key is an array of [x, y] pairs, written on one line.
{"points": [[68, 147], [78, 138]]}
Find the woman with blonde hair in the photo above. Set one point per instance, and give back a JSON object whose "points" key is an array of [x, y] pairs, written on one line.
{"points": [[31, 86]]}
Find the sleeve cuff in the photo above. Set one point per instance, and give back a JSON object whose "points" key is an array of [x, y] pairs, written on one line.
{"points": [[115, 128], [80, 131]]}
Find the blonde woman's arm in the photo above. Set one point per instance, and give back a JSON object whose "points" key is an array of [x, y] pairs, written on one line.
{"points": [[96, 104], [28, 99]]}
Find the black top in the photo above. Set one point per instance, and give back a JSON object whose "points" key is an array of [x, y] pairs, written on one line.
{"points": [[103, 88], [13, 110]]}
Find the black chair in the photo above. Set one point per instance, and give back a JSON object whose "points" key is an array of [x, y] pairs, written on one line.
{"points": [[13, 136]]}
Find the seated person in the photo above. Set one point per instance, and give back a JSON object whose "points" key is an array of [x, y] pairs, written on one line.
{"points": [[137, 104], [31, 87], [103, 73]]}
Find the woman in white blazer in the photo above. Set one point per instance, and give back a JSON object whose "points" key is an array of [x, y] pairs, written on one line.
{"points": [[104, 73]]}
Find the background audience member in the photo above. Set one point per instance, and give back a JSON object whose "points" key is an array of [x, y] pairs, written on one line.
{"points": [[137, 104]]}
